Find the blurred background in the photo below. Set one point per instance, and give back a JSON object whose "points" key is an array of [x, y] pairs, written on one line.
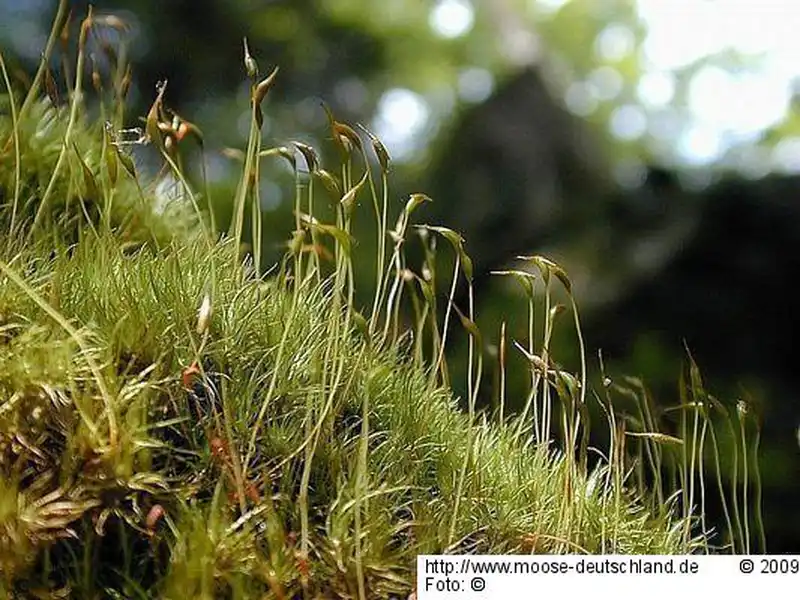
{"points": [[652, 147]]}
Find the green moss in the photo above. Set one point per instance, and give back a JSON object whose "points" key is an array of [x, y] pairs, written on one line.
{"points": [[287, 444]]}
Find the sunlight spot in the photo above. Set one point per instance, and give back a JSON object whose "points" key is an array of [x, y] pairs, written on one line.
{"points": [[520, 46], [735, 104], [580, 100], [752, 103], [665, 125], [27, 39], [786, 156], [628, 122], [700, 145], [548, 7], [452, 18], [614, 43], [270, 195], [352, 93], [606, 82], [656, 88], [475, 84], [753, 162], [402, 117]]}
